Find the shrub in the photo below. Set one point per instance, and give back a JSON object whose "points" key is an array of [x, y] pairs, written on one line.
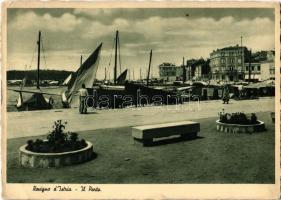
{"points": [[57, 141], [73, 137]]}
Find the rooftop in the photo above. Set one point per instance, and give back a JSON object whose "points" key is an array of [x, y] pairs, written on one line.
{"points": [[232, 47], [167, 65]]}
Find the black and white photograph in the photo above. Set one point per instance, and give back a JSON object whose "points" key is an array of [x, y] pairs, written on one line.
{"points": [[135, 95]]}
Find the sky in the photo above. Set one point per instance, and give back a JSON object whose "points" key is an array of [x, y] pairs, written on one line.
{"points": [[171, 33]]}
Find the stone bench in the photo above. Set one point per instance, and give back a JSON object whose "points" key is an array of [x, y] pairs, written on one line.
{"points": [[146, 133]]}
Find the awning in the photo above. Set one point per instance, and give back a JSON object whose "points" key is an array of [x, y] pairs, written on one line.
{"points": [[261, 84], [256, 76]]}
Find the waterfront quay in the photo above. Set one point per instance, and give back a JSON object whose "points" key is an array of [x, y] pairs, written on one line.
{"points": [[34, 123]]}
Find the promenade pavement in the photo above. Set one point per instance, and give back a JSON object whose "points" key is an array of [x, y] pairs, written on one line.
{"points": [[33, 123]]}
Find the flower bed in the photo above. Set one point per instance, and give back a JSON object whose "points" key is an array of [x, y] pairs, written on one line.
{"points": [[238, 118], [239, 123], [237, 128], [45, 160], [59, 149]]}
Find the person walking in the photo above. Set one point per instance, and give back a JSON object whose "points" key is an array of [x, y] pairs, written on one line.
{"points": [[225, 97], [83, 93]]}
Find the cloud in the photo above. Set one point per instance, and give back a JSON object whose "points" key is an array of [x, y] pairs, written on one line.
{"points": [[30, 20], [69, 33], [95, 29], [95, 12], [106, 15]]}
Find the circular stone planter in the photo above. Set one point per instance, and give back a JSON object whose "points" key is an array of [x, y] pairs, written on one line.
{"points": [[237, 128], [44, 160]]}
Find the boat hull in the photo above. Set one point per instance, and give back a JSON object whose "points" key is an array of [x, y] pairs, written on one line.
{"points": [[36, 102]]}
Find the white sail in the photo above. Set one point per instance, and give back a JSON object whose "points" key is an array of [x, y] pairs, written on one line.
{"points": [[19, 101], [86, 74], [66, 81]]}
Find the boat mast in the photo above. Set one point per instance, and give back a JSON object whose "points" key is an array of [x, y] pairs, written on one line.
{"points": [[81, 60], [250, 62], [133, 74], [38, 59], [242, 60], [149, 67], [183, 71], [115, 60]]}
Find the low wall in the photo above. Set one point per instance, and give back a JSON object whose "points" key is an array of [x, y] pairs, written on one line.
{"points": [[45, 160], [237, 128]]}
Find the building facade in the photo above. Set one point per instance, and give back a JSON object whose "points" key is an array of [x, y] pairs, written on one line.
{"points": [[262, 68], [253, 71], [268, 67], [197, 69], [228, 64], [198, 72], [170, 72], [267, 70]]}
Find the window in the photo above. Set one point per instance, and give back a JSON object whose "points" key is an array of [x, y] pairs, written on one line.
{"points": [[259, 68], [253, 68], [247, 68], [223, 60]]}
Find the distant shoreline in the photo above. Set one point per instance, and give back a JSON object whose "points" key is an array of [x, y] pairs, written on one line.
{"points": [[45, 74]]}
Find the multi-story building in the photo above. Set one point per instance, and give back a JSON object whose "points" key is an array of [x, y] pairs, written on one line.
{"points": [[268, 67], [228, 64], [260, 56], [262, 68], [197, 69], [267, 70], [170, 72], [253, 71], [190, 69]]}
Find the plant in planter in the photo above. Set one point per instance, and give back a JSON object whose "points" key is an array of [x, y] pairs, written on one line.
{"points": [[57, 141]]}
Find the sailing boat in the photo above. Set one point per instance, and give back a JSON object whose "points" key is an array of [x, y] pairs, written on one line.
{"points": [[120, 80], [122, 77], [37, 101], [134, 89], [86, 74]]}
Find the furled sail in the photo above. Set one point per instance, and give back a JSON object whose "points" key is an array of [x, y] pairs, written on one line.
{"points": [[85, 74], [121, 79]]}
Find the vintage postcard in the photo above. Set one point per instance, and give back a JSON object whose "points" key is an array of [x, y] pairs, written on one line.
{"points": [[137, 100]]}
